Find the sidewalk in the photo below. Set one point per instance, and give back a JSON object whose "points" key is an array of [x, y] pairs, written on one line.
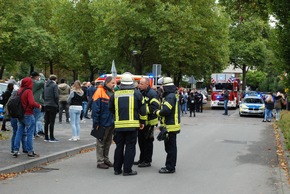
{"points": [[48, 151]]}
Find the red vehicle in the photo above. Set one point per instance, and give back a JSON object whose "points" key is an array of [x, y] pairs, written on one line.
{"points": [[102, 78], [226, 81]]}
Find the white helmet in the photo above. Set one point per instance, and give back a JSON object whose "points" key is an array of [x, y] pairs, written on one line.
{"points": [[127, 79], [167, 81]]}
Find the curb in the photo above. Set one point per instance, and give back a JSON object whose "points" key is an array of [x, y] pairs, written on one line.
{"points": [[44, 160]]}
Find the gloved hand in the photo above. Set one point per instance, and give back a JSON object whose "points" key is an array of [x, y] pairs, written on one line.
{"points": [[163, 134]]}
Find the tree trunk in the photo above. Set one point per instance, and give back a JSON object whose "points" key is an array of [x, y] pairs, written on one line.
{"points": [[75, 75], [244, 77], [2, 71], [51, 66], [31, 68]]}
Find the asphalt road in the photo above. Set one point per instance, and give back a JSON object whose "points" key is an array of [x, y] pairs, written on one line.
{"points": [[216, 154]]}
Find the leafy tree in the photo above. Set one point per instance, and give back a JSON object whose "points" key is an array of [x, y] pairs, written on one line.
{"points": [[281, 12], [248, 35]]}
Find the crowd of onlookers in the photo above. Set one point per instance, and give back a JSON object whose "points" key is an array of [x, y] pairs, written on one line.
{"points": [[191, 100], [42, 99]]}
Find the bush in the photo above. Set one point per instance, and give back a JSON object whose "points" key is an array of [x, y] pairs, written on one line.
{"points": [[284, 125]]}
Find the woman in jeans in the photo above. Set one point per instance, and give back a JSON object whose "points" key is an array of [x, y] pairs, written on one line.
{"points": [[75, 100], [269, 104]]}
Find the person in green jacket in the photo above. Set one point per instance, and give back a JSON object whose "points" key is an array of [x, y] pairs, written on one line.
{"points": [[37, 89]]}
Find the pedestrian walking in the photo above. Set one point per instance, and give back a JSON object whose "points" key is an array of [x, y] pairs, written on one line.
{"points": [[63, 91], [103, 119], [27, 123], [128, 106], [146, 136], [75, 100], [51, 99], [170, 116]]}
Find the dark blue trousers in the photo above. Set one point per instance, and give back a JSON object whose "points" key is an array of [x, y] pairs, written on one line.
{"points": [[125, 150], [171, 150]]}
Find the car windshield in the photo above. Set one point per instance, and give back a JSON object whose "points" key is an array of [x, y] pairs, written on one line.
{"points": [[253, 100]]}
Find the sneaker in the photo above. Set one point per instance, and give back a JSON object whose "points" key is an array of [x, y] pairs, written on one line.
{"points": [[108, 163], [32, 155], [25, 152], [78, 138], [103, 166], [53, 140], [15, 154], [37, 135], [40, 133], [144, 164], [12, 152], [73, 139], [46, 140]]}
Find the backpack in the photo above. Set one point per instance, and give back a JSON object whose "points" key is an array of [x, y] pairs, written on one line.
{"points": [[14, 106]]}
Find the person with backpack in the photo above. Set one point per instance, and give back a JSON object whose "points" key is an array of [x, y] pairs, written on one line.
{"points": [[27, 122], [4, 98]]}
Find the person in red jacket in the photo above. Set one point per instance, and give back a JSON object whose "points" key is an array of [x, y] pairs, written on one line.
{"points": [[28, 122]]}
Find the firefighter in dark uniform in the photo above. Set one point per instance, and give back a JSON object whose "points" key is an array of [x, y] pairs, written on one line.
{"points": [[146, 136], [128, 106], [170, 117]]}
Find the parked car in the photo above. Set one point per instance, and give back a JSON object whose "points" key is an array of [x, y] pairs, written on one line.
{"points": [[252, 105], [3, 87]]}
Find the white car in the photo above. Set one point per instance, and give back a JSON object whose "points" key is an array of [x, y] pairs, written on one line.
{"points": [[252, 105]]}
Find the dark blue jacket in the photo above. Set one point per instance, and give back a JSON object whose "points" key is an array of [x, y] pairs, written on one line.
{"points": [[100, 108]]}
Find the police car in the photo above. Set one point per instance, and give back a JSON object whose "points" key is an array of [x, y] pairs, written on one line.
{"points": [[252, 105]]}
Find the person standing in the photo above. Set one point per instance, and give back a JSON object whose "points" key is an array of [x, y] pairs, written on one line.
{"points": [[225, 95], [63, 91], [279, 99], [84, 87], [38, 87], [146, 136], [27, 123], [192, 103], [185, 99], [75, 100], [102, 117], [269, 105], [4, 99], [90, 92], [170, 117], [128, 106], [51, 99], [13, 122]]}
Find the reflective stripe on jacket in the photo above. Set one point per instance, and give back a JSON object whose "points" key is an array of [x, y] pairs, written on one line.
{"points": [[129, 109], [170, 112]]}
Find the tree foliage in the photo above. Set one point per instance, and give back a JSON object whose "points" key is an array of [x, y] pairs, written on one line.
{"points": [[84, 36]]}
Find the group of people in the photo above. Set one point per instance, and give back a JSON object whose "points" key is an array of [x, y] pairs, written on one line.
{"points": [[273, 102], [191, 100], [129, 114], [42, 99]]}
